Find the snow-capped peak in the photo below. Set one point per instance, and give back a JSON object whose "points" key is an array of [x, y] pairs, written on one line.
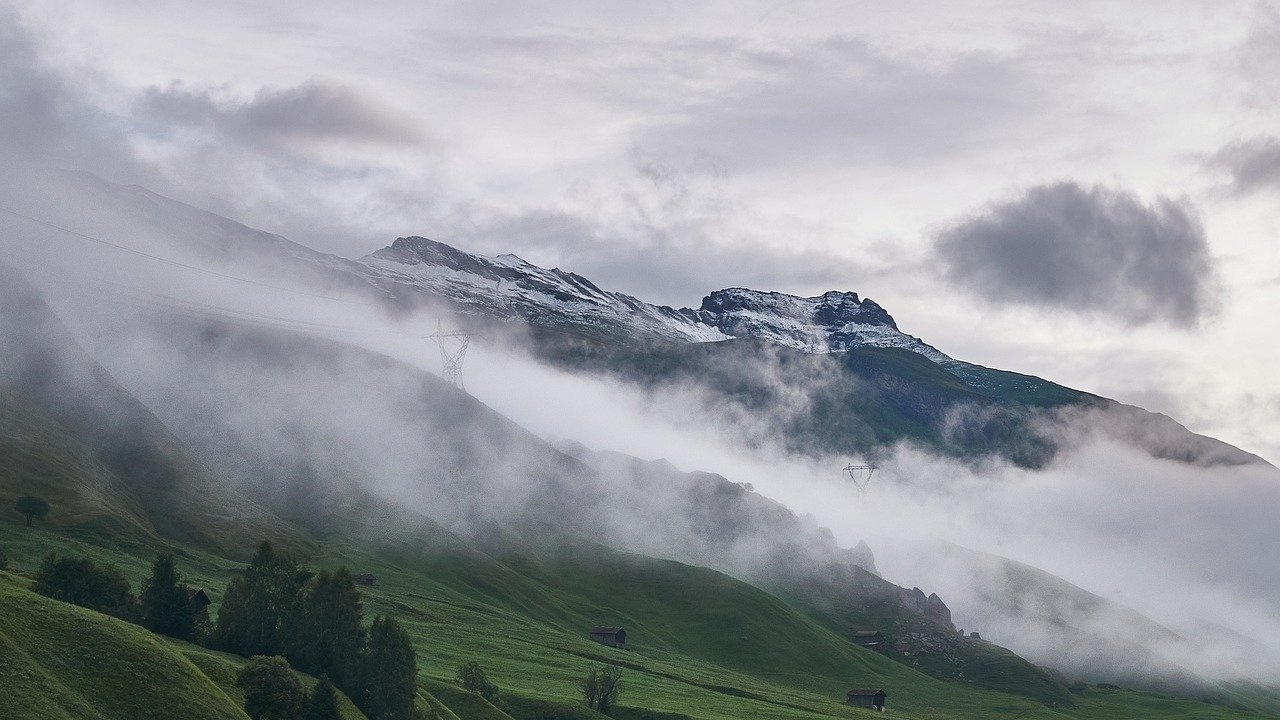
{"points": [[507, 285]]}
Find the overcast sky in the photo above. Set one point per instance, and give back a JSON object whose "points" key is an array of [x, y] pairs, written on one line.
{"points": [[1090, 193]]}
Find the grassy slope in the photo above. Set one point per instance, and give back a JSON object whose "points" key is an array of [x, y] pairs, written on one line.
{"points": [[62, 661], [704, 645]]}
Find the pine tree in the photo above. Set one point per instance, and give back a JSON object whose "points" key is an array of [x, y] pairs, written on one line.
{"points": [[389, 672], [164, 604], [322, 703], [258, 603], [325, 631]]}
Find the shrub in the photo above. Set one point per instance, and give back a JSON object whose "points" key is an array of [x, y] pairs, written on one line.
{"points": [[271, 690], [601, 686], [473, 679], [79, 581]]}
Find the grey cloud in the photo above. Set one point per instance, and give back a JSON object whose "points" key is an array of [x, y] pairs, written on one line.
{"points": [[1094, 251], [45, 120], [841, 101], [312, 111], [1254, 164]]}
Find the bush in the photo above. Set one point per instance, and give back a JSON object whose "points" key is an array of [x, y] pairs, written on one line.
{"points": [[473, 679], [271, 690], [601, 686], [79, 581]]}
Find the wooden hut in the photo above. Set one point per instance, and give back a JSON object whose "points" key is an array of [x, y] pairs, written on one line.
{"points": [[198, 599], [873, 699], [611, 636], [367, 579], [868, 638]]}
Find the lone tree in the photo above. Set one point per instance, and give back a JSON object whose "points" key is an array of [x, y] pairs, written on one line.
{"points": [[389, 672], [32, 507], [472, 679], [271, 691], [165, 607], [601, 686]]}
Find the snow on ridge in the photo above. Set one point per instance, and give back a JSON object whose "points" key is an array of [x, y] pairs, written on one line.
{"points": [[508, 285]]}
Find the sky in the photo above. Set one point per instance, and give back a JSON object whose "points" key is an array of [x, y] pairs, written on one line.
{"points": [[1087, 193]]}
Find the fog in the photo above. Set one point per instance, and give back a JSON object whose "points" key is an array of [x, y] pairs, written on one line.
{"points": [[1187, 547]]}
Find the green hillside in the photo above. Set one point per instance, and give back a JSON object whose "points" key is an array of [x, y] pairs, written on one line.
{"points": [[518, 597]]}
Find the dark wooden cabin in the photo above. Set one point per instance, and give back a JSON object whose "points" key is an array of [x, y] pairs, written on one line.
{"points": [[873, 699], [611, 636], [198, 599], [868, 638], [367, 579]]}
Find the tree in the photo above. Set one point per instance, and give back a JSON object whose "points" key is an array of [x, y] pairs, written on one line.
{"points": [[32, 507], [473, 679], [4, 559], [389, 672], [164, 604], [271, 690], [80, 581], [322, 703], [258, 602], [601, 686], [324, 633]]}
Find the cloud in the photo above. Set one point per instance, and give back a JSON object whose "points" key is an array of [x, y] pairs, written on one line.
{"points": [[45, 119], [1254, 164], [308, 112], [1094, 251]]}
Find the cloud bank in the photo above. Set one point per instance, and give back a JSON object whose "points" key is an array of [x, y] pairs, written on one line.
{"points": [[1094, 251]]}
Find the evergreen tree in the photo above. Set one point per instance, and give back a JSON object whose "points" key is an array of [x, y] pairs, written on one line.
{"points": [[389, 672], [164, 604], [322, 703], [271, 690], [325, 632], [32, 507], [258, 603]]}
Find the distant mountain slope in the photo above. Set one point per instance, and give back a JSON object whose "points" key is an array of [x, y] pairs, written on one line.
{"points": [[73, 435], [861, 388]]}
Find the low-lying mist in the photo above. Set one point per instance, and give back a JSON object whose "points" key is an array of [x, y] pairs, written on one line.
{"points": [[1187, 547]]}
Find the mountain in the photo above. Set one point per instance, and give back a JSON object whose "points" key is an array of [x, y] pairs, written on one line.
{"points": [[831, 375]]}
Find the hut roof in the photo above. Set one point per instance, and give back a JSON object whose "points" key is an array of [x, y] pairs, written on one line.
{"points": [[607, 630], [875, 691]]}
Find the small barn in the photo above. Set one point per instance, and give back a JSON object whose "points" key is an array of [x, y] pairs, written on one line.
{"points": [[367, 579], [611, 636], [868, 638], [198, 599], [873, 699]]}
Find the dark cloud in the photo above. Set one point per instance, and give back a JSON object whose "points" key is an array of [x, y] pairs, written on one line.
{"points": [[1253, 164], [312, 111], [1095, 251]]}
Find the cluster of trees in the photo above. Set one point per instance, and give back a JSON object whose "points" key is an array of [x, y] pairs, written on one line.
{"points": [[277, 607], [273, 692], [163, 606]]}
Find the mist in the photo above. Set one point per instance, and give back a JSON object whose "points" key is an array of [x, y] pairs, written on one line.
{"points": [[1185, 546]]}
